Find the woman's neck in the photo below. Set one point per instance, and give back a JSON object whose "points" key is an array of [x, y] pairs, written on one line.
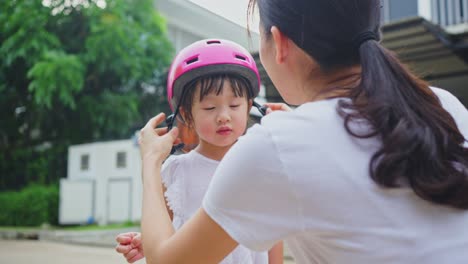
{"points": [[211, 151], [334, 84]]}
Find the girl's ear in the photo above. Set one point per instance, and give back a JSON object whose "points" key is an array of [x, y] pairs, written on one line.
{"points": [[182, 117], [249, 106]]}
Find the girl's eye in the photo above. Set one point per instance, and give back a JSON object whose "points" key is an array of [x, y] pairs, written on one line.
{"points": [[235, 106], [208, 108]]}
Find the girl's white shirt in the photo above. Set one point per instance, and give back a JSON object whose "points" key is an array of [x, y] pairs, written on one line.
{"points": [[302, 178], [186, 178]]}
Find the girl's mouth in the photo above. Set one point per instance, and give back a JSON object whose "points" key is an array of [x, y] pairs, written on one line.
{"points": [[224, 131]]}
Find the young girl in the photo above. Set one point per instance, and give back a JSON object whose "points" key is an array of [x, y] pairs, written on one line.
{"points": [[211, 86]]}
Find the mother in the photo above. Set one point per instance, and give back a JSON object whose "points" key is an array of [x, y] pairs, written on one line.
{"points": [[372, 167]]}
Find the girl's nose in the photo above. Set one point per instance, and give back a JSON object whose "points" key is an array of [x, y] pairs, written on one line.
{"points": [[223, 117]]}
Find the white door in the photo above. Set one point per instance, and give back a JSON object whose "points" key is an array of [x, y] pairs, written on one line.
{"points": [[119, 200], [76, 201]]}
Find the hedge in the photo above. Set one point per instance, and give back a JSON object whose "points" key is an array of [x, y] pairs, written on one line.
{"points": [[32, 206]]}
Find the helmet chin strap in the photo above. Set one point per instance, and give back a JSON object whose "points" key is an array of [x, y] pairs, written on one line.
{"points": [[261, 108], [170, 123], [171, 119]]}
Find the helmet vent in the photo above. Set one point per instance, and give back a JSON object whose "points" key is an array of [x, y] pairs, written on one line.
{"points": [[241, 57], [213, 42], [192, 60]]}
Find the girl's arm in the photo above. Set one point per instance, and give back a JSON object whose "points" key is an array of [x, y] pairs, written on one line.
{"points": [[275, 255], [201, 240]]}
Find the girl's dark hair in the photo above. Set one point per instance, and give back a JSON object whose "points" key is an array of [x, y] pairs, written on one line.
{"points": [[213, 83], [421, 143]]}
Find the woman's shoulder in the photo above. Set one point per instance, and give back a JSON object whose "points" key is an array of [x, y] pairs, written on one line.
{"points": [[447, 99], [306, 122], [319, 111], [442, 94], [452, 105]]}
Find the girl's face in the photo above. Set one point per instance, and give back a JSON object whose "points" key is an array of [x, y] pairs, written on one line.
{"points": [[219, 120]]}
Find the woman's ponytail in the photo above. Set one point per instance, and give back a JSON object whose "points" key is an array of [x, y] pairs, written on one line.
{"points": [[421, 144]]}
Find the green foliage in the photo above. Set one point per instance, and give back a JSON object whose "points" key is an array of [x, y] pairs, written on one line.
{"points": [[57, 73], [32, 206], [74, 73], [24, 34], [32, 166], [53, 205]]}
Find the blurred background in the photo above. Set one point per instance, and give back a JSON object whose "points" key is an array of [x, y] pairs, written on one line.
{"points": [[78, 78]]}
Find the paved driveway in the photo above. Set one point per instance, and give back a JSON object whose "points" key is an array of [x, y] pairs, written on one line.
{"points": [[42, 252]]}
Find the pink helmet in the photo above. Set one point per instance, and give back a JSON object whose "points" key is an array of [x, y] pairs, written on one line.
{"points": [[210, 56]]}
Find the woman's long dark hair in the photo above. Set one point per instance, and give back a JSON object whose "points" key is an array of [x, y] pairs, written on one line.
{"points": [[421, 143]]}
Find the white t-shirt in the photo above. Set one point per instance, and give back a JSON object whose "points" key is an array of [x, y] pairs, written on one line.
{"points": [[301, 178], [186, 178]]}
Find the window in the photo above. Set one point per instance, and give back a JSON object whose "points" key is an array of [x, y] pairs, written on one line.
{"points": [[84, 163], [397, 9], [449, 12], [121, 159]]}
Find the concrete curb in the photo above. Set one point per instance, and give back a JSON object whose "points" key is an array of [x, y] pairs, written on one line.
{"points": [[19, 234], [101, 238]]}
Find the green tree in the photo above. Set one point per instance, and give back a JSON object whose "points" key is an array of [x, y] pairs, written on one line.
{"points": [[74, 72]]}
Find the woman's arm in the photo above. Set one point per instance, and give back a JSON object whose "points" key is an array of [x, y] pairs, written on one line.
{"points": [[200, 240], [130, 243], [275, 255]]}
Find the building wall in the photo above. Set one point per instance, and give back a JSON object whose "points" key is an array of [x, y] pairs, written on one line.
{"points": [[181, 38], [110, 173], [188, 22]]}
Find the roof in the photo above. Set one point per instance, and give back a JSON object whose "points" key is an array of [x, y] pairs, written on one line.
{"points": [[436, 55]]}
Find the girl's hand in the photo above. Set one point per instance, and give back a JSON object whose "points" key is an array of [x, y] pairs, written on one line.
{"points": [[156, 143], [130, 246], [277, 107]]}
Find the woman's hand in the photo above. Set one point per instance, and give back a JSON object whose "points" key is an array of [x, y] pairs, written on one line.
{"points": [[156, 143], [277, 107], [130, 246]]}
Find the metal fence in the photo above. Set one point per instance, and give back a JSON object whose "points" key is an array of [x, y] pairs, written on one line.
{"points": [[449, 12]]}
